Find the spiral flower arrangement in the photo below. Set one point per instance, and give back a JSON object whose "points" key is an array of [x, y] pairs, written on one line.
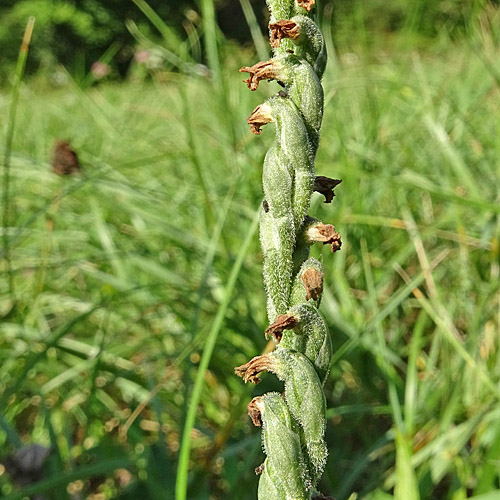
{"points": [[293, 424]]}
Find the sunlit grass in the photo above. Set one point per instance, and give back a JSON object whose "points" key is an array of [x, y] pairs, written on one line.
{"points": [[120, 272]]}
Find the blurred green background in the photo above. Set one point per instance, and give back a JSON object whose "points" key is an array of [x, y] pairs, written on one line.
{"points": [[114, 281]]}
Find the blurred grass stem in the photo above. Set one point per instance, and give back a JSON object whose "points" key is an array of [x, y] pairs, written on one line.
{"points": [[18, 76], [183, 465]]}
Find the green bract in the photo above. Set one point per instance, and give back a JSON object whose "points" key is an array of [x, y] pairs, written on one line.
{"points": [[284, 466], [310, 337], [293, 425]]}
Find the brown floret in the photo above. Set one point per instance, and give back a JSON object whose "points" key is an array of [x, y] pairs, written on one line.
{"points": [[264, 70], [283, 29], [281, 323]]}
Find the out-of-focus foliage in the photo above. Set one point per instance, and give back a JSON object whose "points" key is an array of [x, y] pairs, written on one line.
{"points": [[425, 17], [120, 271], [78, 33]]}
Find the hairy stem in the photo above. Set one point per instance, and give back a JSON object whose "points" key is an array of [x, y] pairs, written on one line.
{"points": [[293, 424]]}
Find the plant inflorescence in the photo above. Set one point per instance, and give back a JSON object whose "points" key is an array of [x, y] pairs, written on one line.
{"points": [[293, 426]]}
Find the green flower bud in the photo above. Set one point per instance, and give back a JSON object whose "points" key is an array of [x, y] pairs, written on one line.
{"points": [[295, 151], [280, 9], [306, 401], [305, 37], [310, 44], [284, 468], [302, 85], [277, 233], [310, 337], [304, 397]]}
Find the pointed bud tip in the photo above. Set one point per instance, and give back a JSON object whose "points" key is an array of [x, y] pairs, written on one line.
{"points": [[325, 186]]}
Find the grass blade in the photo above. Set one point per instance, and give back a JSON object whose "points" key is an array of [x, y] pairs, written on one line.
{"points": [[258, 40], [210, 32], [182, 471], [21, 63]]}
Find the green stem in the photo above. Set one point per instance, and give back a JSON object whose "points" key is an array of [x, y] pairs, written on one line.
{"points": [[21, 63], [254, 27], [210, 32], [183, 465]]}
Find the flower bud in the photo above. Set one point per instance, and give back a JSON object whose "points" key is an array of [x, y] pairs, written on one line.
{"points": [[310, 337], [306, 401], [284, 468], [304, 397]]}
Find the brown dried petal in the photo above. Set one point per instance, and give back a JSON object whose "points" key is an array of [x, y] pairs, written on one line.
{"points": [[313, 283], [283, 29], [325, 185], [64, 159], [254, 411], [264, 70], [307, 4], [260, 116], [259, 469], [251, 370], [281, 323], [325, 233]]}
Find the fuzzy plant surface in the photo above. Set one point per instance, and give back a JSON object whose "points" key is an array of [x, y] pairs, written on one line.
{"points": [[293, 423]]}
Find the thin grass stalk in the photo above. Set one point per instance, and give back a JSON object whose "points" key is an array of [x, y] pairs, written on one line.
{"points": [[210, 34], [185, 447], [253, 25], [18, 76]]}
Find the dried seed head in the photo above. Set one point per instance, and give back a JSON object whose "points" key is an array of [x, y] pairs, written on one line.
{"points": [[250, 371], [306, 402], [324, 233], [260, 116], [313, 283], [64, 159], [281, 323], [307, 4], [254, 411], [283, 29], [264, 70], [325, 185]]}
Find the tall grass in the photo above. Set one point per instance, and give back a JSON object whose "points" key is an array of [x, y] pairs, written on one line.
{"points": [[123, 283], [18, 76]]}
